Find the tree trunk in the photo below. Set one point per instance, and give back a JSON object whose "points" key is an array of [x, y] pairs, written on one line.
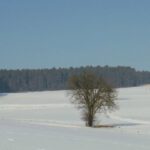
{"points": [[90, 121]]}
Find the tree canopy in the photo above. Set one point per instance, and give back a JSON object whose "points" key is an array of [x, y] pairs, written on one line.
{"points": [[56, 79]]}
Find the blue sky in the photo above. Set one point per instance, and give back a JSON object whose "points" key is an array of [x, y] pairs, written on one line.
{"points": [[64, 33]]}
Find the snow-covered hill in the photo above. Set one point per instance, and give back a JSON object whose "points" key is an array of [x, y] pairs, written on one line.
{"points": [[47, 121]]}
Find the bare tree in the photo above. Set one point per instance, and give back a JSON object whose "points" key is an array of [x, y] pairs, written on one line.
{"points": [[91, 94]]}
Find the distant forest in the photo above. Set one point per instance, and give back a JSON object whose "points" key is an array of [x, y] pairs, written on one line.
{"points": [[56, 79]]}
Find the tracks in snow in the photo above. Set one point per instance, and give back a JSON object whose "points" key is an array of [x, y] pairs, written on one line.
{"points": [[130, 120], [32, 106]]}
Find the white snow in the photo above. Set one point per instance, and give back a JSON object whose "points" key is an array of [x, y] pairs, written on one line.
{"points": [[48, 121]]}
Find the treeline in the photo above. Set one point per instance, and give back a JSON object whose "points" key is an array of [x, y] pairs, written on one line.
{"points": [[56, 79]]}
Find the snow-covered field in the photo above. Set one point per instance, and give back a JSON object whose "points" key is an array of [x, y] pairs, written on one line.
{"points": [[47, 121]]}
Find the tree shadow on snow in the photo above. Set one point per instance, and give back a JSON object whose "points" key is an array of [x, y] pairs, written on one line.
{"points": [[116, 125], [3, 94], [124, 124]]}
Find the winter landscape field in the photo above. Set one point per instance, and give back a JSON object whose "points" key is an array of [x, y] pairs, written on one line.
{"points": [[48, 121]]}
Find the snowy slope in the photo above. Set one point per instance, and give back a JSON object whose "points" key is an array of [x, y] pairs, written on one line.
{"points": [[47, 121]]}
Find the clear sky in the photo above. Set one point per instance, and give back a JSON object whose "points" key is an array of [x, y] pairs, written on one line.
{"points": [[64, 33]]}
